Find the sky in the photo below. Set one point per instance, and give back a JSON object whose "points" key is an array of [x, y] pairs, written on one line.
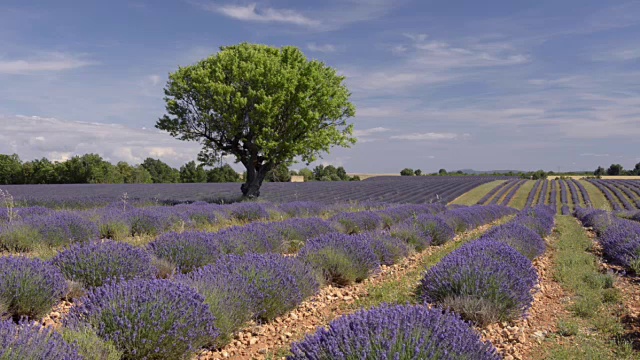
{"points": [[457, 84]]}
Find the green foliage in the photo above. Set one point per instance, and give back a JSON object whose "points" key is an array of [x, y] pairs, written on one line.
{"points": [[600, 171], [329, 173], [407, 172], [264, 105], [160, 172], [90, 345], [10, 169], [307, 174], [615, 169], [279, 173], [192, 173], [418, 172], [224, 173], [442, 172]]}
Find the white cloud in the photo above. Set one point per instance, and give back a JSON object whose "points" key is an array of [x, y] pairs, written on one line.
{"points": [[367, 132], [154, 79], [49, 62], [595, 155], [430, 136], [253, 13], [60, 139], [325, 48]]}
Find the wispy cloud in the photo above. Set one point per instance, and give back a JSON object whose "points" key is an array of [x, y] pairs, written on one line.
{"points": [[594, 155], [325, 48], [430, 136], [254, 13], [49, 62], [367, 132]]}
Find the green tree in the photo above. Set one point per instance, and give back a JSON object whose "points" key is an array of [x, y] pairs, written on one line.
{"points": [[279, 173], [307, 174], [224, 173], [442, 172], [264, 105], [407, 172], [10, 169], [418, 172], [636, 169], [160, 172], [599, 171], [192, 173], [615, 169]]}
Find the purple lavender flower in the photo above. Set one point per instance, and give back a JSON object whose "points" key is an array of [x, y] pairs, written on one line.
{"points": [[94, 264], [64, 228], [29, 287], [147, 319], [187, 250], [29, 340], [487, 281], [524, 240], [390, 250], [343, 259], [395, 332], [357, 222], [302, 208]]}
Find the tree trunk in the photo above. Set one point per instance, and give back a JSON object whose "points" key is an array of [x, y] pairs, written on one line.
{"points": [[255, 177]]}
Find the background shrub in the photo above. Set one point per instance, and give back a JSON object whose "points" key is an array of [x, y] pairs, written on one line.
{"points": [[388, 249], [342, 259], [29, 287], [395, 332], [301, 208], [146, 319], [484, 281], [95, 263], [30, 341], [434, 227], [19, 237], [187, 250], [248, 211], [408, 232]]}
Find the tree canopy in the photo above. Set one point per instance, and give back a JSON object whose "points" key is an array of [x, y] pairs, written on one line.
{"points": [[266, 106]]}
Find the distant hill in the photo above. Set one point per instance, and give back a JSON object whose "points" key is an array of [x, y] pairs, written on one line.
{"points": [[476, 172]]}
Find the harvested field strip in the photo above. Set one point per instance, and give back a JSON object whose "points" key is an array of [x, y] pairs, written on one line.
{"points": [[589, 323], [273, 340], [512, 192], [520, 198], [596, 196], [472, 196]]}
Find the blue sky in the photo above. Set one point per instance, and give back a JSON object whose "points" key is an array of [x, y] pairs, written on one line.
{"points": [[453, 84]]}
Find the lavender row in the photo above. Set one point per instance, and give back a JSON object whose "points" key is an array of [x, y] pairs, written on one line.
{"points": [[564, 198], [607, 194], [532, 194], [491, 279], [512, 193], [553, 195], [542, 199], [511, 184], [620, 238], [584, 192], [618, 194], [492, 192], [621, 187], [575, 198]]}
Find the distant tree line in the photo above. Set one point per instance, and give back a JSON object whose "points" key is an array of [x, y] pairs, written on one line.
{"points": [[617, 169], [613, 170], [93, 169]]}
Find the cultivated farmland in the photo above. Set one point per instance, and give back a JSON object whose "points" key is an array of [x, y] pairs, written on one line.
{"points": [[103, 275]]}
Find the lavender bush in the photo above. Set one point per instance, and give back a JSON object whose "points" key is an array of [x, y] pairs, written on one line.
{"points": [[239, 288], [248, 211], [147, 319], [395, 332], [342, 259], [358, 222], [29, 287], [485, 281], [526, 241], [64, 228], [187, 250], [409, 233], [31, 341], [96, 263], [390, 250], [434, 227], [301, 208], [19, 237]]}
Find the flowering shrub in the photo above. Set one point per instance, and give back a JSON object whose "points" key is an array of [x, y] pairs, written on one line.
{"points": [[295, 232], [532, 194], [434, 227], [488, 280], [342, 259], [147, 319], [357, 222], [151, 220], [29, 287], [113, 223], [395, 332], [248, 211], [64, 228], [31, 341], [239, 288], [90, 345], [301, 208], [18, 237], [538, 218], [526, 241], [251, 238], [187, 250], [96, 263], [583, 191], [388, 249], [394, 215], [408, 232]]}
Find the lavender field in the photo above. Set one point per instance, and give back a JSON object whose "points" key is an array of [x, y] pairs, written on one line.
{"points": [[389, 189]]}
